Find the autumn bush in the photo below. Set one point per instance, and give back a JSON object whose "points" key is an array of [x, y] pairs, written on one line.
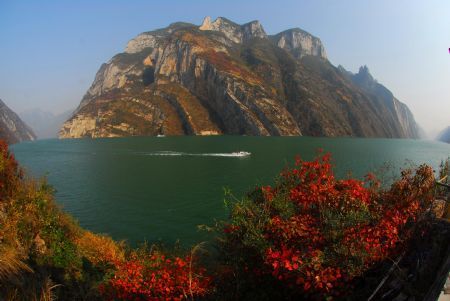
{"points": [[156, 276], [310, 235], [100, 249], [10, 174]]}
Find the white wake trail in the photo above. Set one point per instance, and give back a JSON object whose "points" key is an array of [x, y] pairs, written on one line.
{"points": [[240, 154]]}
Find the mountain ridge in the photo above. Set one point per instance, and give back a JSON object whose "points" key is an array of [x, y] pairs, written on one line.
{"points": [[225, 78], [444, 135], [364, 80], [12, 128], [44, 124]]}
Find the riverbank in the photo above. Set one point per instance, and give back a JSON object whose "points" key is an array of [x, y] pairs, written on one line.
{"points": [[259, 252]]}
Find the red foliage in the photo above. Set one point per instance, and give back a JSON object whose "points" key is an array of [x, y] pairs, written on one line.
{"points": [[338, 228], [156, 277]]}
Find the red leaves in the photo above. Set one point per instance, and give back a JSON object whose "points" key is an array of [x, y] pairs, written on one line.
{"points": [[156, 278], [230, 229], [339, 228], [268, 193], [295, 228]]}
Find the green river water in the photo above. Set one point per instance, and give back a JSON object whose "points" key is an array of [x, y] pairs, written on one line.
{"points": [[159, 189]]}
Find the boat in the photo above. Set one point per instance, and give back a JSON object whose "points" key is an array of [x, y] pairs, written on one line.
{"points": [[241, 154]]}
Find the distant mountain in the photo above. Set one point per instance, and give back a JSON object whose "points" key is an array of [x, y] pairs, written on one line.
{"points": [[401, 120], [45, 124], [12, 128], [444, 136], [226, 78]]}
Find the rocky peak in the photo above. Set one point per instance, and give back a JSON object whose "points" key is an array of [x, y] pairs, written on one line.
{"points": [[12, 128], [364, 78], [151, 39], [207, 24], [300, 43], [253, 29], [141, 42], [235, 32], [364, 70], [219, 24]]}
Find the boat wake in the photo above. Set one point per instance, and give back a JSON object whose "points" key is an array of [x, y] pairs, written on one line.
{"points": [[240, 154]]}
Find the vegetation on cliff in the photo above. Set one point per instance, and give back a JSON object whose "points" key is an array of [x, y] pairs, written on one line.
{"points": [[309, 236], [43, 252], [45, 255]]}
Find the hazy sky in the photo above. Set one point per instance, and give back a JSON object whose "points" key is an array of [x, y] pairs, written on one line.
{"points": [[51, 50]]}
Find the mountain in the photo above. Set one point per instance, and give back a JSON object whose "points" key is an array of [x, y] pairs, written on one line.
{"points": [[12, 128], [444, 136], [401, 119], [45, 124], [226, 78]]}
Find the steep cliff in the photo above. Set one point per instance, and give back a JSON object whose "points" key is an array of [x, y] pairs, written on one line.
{"points": [[398, 116], [299, 43], [12, 128], [225, 78]]}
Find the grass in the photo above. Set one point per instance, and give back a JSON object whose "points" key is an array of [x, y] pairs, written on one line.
{"points": [[11, 264]]}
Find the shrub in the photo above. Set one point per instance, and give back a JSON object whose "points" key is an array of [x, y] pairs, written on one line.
{"points": [[155, 277], [10, 173], [313, 234], [99, 249]]}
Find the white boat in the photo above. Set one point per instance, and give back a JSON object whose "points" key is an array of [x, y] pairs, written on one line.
{"points": [[160, 136], [241, 154]]}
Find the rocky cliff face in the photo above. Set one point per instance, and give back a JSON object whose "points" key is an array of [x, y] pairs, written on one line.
{"points": [[299, 43], [226, 78], [234, 32], [12, 129], [401, 120]]}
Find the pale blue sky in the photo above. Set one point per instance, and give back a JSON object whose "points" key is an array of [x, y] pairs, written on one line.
{"points": [[51, 50]]}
